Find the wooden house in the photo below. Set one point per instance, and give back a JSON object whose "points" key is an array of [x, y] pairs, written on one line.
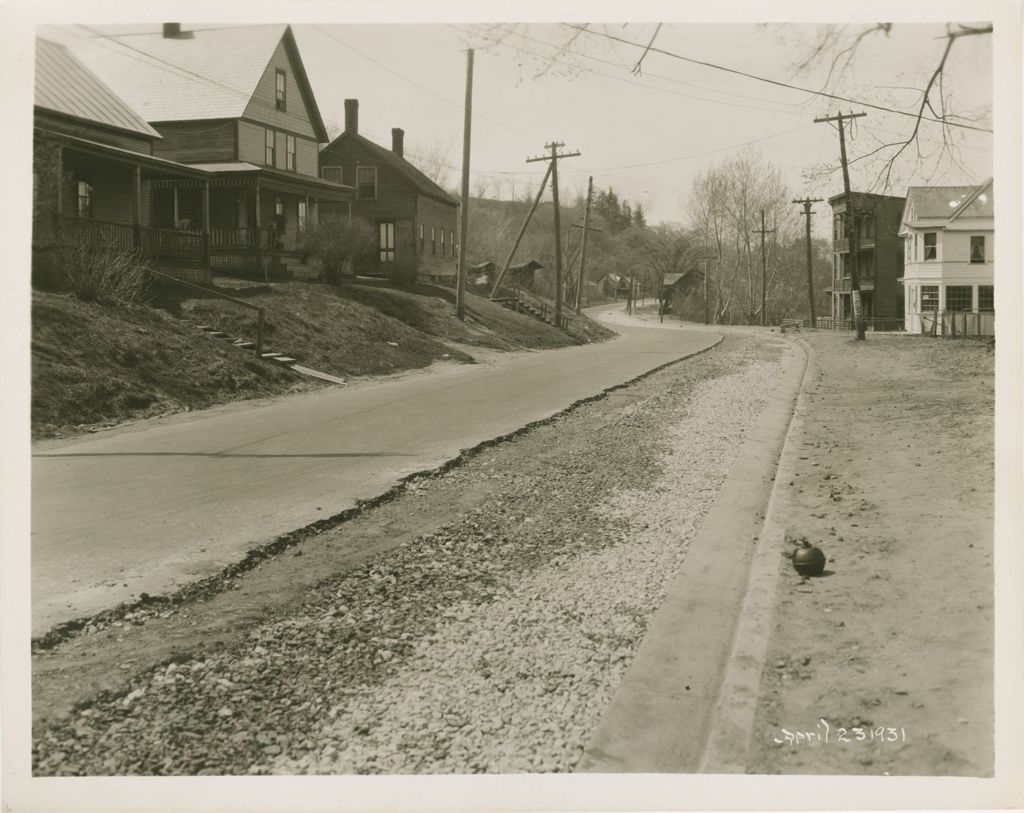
{"points": [[235, 104], [948, 234], [94, 164], [416, 221]]}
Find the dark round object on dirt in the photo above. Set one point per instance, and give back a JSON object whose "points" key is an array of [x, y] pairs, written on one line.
{"points": [[809, 561]]}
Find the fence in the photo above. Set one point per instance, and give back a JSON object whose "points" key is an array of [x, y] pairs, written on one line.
{"points": [[877, 324], [957, 324]]}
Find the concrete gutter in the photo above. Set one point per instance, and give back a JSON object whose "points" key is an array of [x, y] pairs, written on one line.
{"points": [[686, 704]]}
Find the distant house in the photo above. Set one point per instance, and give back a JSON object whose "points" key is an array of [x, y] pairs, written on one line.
{"points": [[879, 256], [415, 219], [948, 234], [235, 104], [614, 285], [94, 166], [524, 275]]}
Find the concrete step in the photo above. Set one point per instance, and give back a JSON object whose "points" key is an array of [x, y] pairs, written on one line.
{"points": [[284, 360], [270, 356], [244, 345]]}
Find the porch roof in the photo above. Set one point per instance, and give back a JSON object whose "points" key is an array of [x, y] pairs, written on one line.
{"points": [[126, 156], [279, 179]]}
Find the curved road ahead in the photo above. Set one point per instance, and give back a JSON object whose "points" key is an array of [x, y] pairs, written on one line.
{"points": [[148, 509]]}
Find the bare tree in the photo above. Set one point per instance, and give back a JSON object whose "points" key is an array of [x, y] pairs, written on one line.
{"points": [[835, 49], [432, 159]]}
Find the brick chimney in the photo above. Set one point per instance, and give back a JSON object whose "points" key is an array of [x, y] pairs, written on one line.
{"points": [[397, 140], [172, 30], [351, 115]]}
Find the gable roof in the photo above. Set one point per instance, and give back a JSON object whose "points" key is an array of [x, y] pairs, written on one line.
{"points": [[64, 85], [936, 205], [397, 162], [206, 73]]}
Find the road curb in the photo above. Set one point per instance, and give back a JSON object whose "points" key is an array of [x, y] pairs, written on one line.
{"points": [[666, 711]]}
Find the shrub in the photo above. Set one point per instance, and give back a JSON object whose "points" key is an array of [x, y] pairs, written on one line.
{"points": [[102, 274], [336, 241]]}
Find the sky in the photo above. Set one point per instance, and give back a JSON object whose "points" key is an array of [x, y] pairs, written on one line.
{"points": [[647, 134]]}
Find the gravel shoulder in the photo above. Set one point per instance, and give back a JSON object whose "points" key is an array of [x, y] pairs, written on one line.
{"points": [[891, 473], [477, 622]]}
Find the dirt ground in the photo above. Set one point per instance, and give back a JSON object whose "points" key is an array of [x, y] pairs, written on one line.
{"points": [[884, 665]]}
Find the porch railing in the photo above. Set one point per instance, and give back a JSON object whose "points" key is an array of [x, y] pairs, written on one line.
{"points": [[158, 244], [247, 237], [169, 244]]}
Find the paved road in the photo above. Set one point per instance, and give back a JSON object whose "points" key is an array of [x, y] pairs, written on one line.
{"points": [[149, 509]]}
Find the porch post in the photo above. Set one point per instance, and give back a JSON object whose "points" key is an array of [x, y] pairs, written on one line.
{"points": [[206, 205], [206, 222], [60, 179], [175, 189], [137, 205]]}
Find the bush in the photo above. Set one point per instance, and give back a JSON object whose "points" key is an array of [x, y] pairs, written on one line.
{"points": [[336, 241], [103, 274]]}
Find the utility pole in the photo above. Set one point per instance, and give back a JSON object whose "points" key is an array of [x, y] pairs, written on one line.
{"points": [[460, 291], [554, 158], [705, 258], [764, 270], [519, 237], [851, 209], [806, 202], [583, 247]]}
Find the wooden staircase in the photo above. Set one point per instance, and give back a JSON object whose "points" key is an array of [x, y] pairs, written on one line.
{"points": [[269, 356]]}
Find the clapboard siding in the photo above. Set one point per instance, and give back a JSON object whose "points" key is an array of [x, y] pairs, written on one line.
{"points": [[196, 141], [93, 132], [251, 142], [307, 157], [262, 108]]}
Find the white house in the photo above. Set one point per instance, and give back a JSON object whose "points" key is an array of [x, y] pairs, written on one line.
{"points": [[948, 280]]}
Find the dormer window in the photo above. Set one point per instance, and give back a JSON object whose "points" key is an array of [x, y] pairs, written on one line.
{"points": [[280, 90]]}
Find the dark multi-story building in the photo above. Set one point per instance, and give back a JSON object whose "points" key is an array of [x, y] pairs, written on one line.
{"points": [[415, 219], [879, 255]]}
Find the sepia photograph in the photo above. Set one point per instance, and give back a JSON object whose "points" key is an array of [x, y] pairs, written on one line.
{"points": [[602, 401]]}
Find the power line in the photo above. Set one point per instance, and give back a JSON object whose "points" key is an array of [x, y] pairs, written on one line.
{"points": [[643, 84], [776, 82], [702, 154], [650, 75], [415, 84]]}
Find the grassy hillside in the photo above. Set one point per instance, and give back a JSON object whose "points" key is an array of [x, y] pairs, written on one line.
{"points": [[95, 365]]}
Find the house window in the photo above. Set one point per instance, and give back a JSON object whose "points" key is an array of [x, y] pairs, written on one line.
{"points": [[84, 199], [986, 298], [442, 242], [433, 240], [929, 297], [332, 174], [977, 249], [451, 234], [931, 251], [906, 248], [867, 228], [279, 91], [290, 152], [270, 149], [421, 238], [867, 266], [387, 242], [366, 183], [302, 216], [958, 298]]}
